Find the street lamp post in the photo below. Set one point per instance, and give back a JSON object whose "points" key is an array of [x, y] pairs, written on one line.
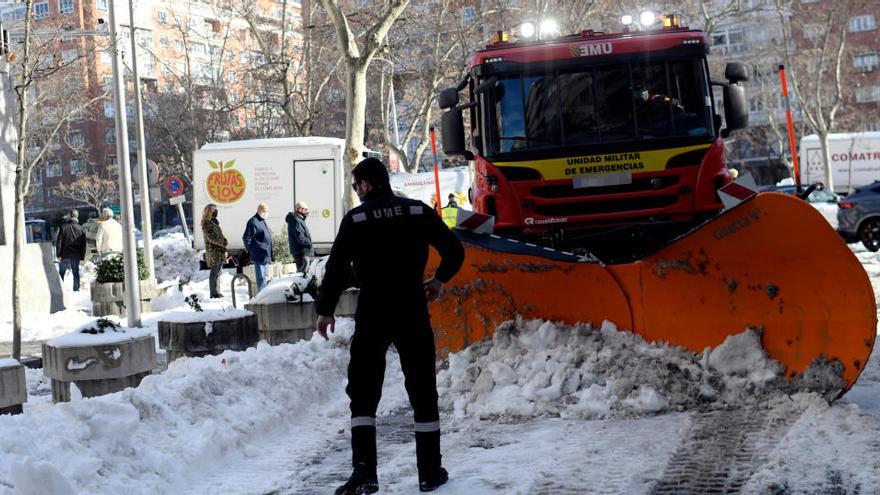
{"points": [[146, 213], [129, 246]]}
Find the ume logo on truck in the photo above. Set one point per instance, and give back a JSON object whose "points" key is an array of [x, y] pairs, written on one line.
{"points": [[226, 185]]}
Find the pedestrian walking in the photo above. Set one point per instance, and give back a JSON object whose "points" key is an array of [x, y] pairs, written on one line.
{"points": [[385, 241], [298, 237], [258, 243], [108, 238], [70, 247], [215, 247]]}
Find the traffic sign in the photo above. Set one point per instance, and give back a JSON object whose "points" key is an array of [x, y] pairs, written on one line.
{"points": [[174, 186]]}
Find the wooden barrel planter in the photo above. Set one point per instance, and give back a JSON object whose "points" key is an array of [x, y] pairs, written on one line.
{"points": [[13, 389], [108, 298], [100, 363], [197, 334], [281, 321]]}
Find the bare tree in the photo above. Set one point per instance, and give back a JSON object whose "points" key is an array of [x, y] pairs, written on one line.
{"points": [[94, 189], [357, 60], [816, 75], [40, 83]]}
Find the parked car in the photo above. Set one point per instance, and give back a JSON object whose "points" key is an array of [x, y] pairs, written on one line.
{"points": [[859, 216], [821, 199]]}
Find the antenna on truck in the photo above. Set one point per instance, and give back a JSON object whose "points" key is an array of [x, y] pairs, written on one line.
{"points": [[791, 141]]}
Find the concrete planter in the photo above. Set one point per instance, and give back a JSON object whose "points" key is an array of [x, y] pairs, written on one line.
{"points": [[108, 298], [289, 322], [13, 389], [196, 339], [99, 369]]}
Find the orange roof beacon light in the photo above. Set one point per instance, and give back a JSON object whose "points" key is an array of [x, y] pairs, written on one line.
{"points": [[499, 37]]}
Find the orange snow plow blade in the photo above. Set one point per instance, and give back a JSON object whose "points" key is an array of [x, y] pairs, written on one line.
{"points": [[771, 263]]}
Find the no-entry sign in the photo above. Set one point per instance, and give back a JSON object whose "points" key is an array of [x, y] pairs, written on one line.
{"points": [[174, 186]]}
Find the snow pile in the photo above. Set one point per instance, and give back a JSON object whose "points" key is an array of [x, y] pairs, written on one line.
{"points": [[536, 368], [175, 258], [209, 314], [44, 327], [175, 425]]}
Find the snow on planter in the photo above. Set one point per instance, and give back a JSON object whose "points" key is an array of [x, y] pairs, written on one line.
{"points": [[286, 316], [13, 391], [100, 357], [207, 332]]}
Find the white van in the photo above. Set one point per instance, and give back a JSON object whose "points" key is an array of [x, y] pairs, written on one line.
{"points": [[855, 160], [238, 175]]}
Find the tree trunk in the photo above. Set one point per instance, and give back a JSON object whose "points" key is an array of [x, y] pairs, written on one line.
{"points": [[826, 161], [355, 111]]}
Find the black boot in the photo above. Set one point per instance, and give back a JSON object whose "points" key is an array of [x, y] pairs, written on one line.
{"points": [[431, 473], [363, 480], [429, 482]]}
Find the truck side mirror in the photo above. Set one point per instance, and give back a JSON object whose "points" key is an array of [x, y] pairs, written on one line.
{"points": [[448, 98], [736, 72], [736, 108], [452, 126]]}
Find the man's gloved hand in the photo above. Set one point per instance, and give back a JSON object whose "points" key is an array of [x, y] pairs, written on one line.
{"points": [[324, 323], [432, 289]]}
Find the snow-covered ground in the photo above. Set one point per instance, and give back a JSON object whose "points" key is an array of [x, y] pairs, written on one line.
{"points": [[541, 408]]}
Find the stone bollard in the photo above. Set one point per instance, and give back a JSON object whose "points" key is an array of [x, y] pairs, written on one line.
{"points": [[283, 322], [103, 367], [108, 298], [13, 389], [217, 331]]}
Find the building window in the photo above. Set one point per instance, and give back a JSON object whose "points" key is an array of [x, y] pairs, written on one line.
{"points": [[230, 55], [251, 123], [161, 17], [105, 58], [166, 68], [110, 135], [102, 4], [109, 109], [868, 94], [77, 166], [68, 56], [729, 40], [862, 23], [230, 77], [53, 168], [75, 139], [866, 62], [36, 178], [111, 160], [178, 45], [813, 30], [163, 42], [41, 10], [468, 14], [873, 127], [65, 6]]}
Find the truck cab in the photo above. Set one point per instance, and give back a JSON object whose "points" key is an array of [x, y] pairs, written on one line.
{"points": [[594, 131]]}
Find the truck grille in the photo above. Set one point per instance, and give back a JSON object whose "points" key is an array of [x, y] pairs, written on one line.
{"points": [[609, 206]]}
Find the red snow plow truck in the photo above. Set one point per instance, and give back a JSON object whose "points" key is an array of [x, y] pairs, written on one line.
{"points": [[601, 156]]}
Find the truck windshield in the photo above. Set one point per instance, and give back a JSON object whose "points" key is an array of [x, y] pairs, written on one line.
{"points": [[601, 104]]}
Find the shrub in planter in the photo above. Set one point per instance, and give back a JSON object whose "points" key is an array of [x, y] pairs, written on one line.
{"points": [[280, 247], [112, 269]]}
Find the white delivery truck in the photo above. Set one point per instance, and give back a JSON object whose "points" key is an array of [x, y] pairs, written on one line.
{"points": [[855, 160], [238, 175]]}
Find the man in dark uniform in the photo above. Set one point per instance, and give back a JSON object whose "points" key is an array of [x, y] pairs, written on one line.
{"points": [[385, 240]]}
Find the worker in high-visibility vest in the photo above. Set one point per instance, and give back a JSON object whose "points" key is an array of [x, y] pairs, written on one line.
{"points": [[450, 212]]}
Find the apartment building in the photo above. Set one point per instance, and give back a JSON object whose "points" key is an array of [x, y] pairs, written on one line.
{"points": [[213, 51]]}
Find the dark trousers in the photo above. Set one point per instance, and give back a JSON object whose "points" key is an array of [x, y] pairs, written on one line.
{"points": [[414, 341], [73, 264], [302, 262], [212, 280]]}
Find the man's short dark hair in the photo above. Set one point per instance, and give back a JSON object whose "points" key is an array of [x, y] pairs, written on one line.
{"points": [[373, 171]]}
